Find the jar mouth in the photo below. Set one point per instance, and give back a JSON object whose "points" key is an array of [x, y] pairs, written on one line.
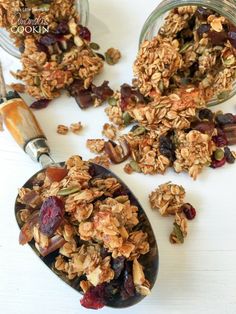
{"points": [[224, 8]]}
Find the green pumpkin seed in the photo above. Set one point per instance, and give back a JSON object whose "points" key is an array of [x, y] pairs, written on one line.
{"points": [[229, 61], [94, 46], [37, 81], [219, 154], [185, 47], [45, 6], [224, 95], [112, 102], [68, 191], [134, 165], [127, 118], [139, 131], [178, 233]]}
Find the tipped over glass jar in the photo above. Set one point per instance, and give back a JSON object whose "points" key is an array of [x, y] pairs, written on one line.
{"points": [[189, 44]]}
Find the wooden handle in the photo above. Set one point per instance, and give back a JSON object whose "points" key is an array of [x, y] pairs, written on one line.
{"points": [[20, 121]]}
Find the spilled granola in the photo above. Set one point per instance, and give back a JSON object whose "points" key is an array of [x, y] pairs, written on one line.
{"points": [[168, 198], [195, 47]]}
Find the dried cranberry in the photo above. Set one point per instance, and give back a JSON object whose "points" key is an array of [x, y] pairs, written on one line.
{"points": [[42, 48], [118, 265], [167, 148], [226, 118], [102, 92], [48, 39], [229, 156], [220, 139], [84, 33], [94, 298], [189, 211], [104, 252], [62, 28], [217, 38], [40, 104], [51, 215], [204, 28], [205, 114], [218, 163]]}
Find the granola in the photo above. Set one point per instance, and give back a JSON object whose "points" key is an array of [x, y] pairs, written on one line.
{"points": [[95, 145], [94, 225], [112, 56], [195, 46], [76, 127], [109, 131], [51, 61]]}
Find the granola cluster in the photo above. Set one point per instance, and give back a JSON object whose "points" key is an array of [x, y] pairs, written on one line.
{"points": [[195, 46], [89, 219], [168, 198], [74, 128]]}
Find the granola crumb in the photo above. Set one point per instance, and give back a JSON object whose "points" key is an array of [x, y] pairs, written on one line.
{"points": [[62, 129], [112, 56], [180, 229], [76, 127], [96, 145], [109, 130], [102, 160]]}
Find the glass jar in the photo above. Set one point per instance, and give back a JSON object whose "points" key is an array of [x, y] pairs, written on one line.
{"points": [[226, 8], [7, 43]]}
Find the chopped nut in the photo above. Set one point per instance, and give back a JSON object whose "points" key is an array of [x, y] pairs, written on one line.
{"points": [[62, 129], [76, 127], [109, 131]]}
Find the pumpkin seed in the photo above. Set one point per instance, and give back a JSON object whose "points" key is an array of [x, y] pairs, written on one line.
{"points": [[134, 165], [112, 102], [127, 118], [179, 234], [139, 131], [219, 154], [68, 191], [94, 46], [224, 95], [185, 47]]}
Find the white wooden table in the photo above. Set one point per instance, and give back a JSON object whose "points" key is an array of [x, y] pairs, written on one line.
{"points": [[197, 277]]}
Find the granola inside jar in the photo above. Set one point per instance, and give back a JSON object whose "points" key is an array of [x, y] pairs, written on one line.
{"points": [[189, 44]]}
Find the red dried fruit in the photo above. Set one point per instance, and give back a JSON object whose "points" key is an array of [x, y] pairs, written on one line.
{"points": [[205, 127], [40, 104], [189, 211], [220, 139], [84, 33], [227, 118], [230, 133], [56, 174], [130, 95], [217, 38], [94, 298], [51, 215], [102, 92], [218, 163], [203, 13], [85, 99], [128, 280]]}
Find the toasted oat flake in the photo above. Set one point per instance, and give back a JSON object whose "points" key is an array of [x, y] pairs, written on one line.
{"points": [[95, 145], [109, 131], [76, 127]]}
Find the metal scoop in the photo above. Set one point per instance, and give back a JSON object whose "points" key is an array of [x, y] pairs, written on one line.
{"points": [[26, 131]]}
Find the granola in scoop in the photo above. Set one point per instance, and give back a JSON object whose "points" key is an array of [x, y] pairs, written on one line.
{"points": [[92, 224]]}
